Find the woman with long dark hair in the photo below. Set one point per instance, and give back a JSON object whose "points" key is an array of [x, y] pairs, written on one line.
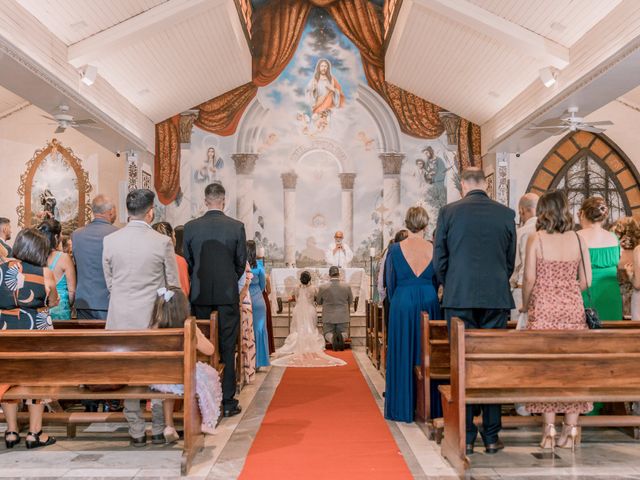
{"points": [[258, 284], [27, 291], [63, 268]]}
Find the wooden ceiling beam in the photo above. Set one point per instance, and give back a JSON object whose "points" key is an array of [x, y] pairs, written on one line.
{"points": [[136, 29], [548, 52]]}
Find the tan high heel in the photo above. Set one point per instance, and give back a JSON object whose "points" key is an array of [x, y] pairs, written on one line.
{"points": [[571, 438], [549, 437]]}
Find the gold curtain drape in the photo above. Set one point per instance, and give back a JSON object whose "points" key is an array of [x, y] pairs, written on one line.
{"points": [[167, 160], [278, 29]]}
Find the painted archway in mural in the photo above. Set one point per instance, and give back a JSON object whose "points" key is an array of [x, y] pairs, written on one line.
{"points": [[584, 164]]}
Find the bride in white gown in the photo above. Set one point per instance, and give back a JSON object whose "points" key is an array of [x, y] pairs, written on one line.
{"points": [[304, 347]]}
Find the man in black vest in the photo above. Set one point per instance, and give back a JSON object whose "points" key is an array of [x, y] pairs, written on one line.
{"points": [[215, 249], [474, 258]]}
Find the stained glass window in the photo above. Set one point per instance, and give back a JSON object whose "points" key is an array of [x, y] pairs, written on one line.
{"points": [[587, 177]]}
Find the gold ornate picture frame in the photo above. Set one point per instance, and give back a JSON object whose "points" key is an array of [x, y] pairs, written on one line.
{"points": [[80, 186]]}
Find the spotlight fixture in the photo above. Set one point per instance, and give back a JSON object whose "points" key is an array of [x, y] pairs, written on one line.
{"points": [[548, 76], [89, 74]]}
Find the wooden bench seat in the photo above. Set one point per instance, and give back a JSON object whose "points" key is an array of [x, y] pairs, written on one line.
{"points": [[525, 395], [436, 365], [501, 366], [52, 364]]}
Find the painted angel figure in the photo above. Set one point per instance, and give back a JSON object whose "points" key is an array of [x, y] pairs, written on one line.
{"points": [[324, 93]]}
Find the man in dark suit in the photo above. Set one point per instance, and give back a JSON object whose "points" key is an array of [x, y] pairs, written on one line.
{"points": [[474, 258], [92, 296], [215, 249]]}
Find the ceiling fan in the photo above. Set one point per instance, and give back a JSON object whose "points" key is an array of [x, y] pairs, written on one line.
{"points": [[63, 119], [571, 123]]}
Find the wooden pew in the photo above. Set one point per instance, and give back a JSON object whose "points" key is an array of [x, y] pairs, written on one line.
{"points": [[499, 366], [376, 334], [208, 327], [436, 366], [380, 338], [53, 364]]}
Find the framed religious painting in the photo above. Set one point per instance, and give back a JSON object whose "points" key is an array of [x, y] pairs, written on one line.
{"points": [[54, 185]]}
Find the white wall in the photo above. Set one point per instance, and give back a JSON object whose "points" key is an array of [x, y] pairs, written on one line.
{"points": [[624, 133], [24, 132]]}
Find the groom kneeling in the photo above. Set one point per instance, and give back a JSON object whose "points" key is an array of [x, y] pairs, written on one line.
{"points": [[335, 298]]}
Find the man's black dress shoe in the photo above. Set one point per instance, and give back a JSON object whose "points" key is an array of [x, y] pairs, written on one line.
{"points": [[139, 442], [334, 342], [233, 411], [469, 449], [492, 448], [158, 439]]}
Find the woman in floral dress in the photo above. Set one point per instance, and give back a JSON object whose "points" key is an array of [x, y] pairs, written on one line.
{"points": [[554, 277]]}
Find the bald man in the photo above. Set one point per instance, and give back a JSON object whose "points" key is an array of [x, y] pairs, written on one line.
{"points": [[92, 296], [338, 254], [527, 212]]}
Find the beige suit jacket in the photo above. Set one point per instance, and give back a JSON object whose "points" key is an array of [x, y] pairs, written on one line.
{"points": [[137, 262]]}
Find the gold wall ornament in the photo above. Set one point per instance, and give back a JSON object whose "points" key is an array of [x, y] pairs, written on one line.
{"points": [[68, 197]]}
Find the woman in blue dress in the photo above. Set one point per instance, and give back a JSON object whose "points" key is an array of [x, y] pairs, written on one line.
{"points": [[63, 269], [258, 284], [411, 288]]}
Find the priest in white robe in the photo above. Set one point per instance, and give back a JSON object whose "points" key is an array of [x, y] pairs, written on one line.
{"points": [[338, 254]]}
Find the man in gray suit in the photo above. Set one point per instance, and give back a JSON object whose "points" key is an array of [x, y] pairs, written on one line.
{"points": [[335, 298], [92, 296], [137, 261]]}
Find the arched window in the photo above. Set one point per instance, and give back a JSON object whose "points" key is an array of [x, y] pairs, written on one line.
{"points": [[584, 164]]}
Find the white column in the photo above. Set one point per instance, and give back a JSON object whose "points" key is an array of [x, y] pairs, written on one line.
{"points": [[289, 188], [346, 182], [245, 164], [391, 165]]}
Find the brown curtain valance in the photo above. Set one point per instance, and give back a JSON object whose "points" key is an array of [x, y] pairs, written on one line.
{"points": [[278, 29]]}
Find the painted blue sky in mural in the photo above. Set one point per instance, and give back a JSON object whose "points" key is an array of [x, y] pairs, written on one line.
{"points": [[321, 38]]}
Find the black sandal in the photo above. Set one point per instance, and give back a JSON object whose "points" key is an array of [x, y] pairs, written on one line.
{"points": [[37, 443], [11, 443]]}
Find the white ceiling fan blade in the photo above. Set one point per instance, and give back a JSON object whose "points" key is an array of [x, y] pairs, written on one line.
{"points": [[549, 122], [549, 127], [540, 130], [60, 129], [86, 121], [92, 127], [588, 128], [48, 118], [603, 123]]}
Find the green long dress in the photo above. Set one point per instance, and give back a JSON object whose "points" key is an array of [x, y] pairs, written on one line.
{"points": [[605, 290]]}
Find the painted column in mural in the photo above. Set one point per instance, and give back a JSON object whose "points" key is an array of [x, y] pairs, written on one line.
{"points": [[289, 186], [245, 164], [391, 165], [346, 182]]}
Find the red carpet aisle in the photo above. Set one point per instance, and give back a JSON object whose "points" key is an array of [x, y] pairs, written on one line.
{"points": [[323, 423]]}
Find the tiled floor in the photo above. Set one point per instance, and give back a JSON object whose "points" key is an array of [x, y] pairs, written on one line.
{"points": [[103, 451]]}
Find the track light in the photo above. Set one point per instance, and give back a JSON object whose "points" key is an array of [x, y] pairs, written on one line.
{"points": [[548, 76], [89, 74]]}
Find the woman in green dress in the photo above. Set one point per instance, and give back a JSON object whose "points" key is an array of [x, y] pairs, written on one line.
{"points": [[604, 251]]}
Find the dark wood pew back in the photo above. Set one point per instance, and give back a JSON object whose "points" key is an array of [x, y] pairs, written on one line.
{"points": [[498, 366], [436, 353], [52, 364], [208, 327]]}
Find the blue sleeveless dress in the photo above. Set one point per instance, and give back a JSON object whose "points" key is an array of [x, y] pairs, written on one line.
{"points": [[63, 310], [409, 295]]}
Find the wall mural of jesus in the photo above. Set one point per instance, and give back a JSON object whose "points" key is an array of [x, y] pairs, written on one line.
{"points": [[324, 93]]}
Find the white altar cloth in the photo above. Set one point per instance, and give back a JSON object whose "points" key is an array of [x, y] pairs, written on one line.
{"points": [[285, 280]]}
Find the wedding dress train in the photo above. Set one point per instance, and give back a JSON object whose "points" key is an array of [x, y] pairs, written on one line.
{"points": [[304, 347]]}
